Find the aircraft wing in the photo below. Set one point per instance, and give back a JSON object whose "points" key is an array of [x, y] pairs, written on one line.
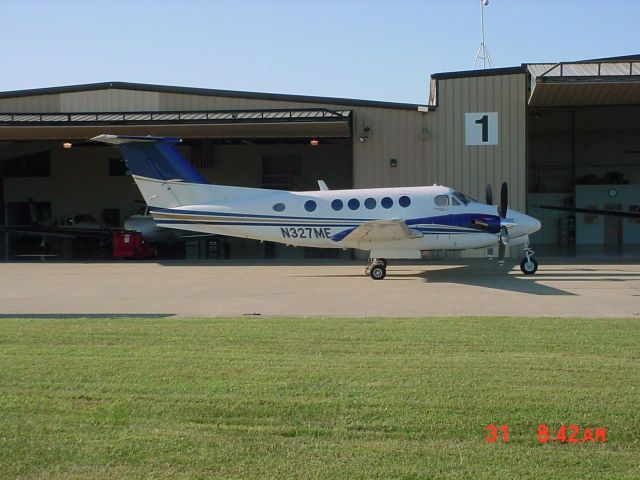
{"points": [[53, 232], [593, 211], [378, 231]]}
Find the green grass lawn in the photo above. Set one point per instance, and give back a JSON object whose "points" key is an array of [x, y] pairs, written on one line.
{"points": [[316, 398]]}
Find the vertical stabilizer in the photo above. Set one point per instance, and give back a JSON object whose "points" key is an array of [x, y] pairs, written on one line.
{"points": [[165, 178], [154, 157]]}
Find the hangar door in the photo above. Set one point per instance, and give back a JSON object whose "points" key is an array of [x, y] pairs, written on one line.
{"points": [[583, 150], [263, 149]]}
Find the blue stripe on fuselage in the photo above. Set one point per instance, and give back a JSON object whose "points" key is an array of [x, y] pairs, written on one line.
{"points": [[444, 224]]}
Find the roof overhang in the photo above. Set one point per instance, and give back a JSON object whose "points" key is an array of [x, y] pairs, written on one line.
{"points": [[246, 124], [585, 84]]}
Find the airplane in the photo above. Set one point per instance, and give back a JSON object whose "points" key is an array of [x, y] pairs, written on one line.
{"points": [[70, 226], [390, 223], [87, 226]]}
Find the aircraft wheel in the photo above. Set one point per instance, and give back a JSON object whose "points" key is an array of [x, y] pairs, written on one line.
{"points": [[378, 272], [529, 266]]}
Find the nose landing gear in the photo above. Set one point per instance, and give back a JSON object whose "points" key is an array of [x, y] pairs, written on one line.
{"points": [[376, 268], [528, 265]]}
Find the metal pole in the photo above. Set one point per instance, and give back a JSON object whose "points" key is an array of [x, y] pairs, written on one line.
{"points": [[484, 59]]}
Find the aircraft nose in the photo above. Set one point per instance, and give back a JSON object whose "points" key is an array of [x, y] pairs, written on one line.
{"points": [[528, 225]]}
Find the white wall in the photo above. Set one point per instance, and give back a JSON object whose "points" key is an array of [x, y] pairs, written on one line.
{"points": [[597, 196]]}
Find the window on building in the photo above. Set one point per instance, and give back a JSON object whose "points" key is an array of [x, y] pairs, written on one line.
{"points": [[35, 165], [117, 167]]}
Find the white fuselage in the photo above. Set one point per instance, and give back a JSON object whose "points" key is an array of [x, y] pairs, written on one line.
{"points": [[437, 216]]}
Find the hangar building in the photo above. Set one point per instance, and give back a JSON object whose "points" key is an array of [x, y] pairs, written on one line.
{"points": [[560, 134]]}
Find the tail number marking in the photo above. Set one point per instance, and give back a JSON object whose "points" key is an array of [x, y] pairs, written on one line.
{"points": [[306, 232]]}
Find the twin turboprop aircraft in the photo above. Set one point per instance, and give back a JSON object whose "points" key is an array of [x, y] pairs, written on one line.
{"points": [[390, 223]]}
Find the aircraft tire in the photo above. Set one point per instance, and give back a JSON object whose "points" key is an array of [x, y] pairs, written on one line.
{"points": [[378, 272], [529, 266]]}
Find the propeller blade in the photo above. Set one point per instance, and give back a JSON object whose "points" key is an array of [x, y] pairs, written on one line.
{"points": [[488, 195], [504, 200], [501, 250]]}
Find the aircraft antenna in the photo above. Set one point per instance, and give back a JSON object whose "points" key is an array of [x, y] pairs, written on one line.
{"points": [[483, 51]]}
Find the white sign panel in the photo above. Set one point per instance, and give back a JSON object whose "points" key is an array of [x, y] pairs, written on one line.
{"points": [[481, 128]]}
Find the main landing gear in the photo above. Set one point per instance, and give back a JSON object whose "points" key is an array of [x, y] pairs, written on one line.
{"points": [[528, 265], [376, 268]]}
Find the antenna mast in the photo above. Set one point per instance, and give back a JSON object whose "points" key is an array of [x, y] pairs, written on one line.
{"points": [[483, 51]]}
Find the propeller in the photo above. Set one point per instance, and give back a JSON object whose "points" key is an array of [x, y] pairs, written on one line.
{"points": [[502, 212], [488, 195], [503, 238], [504, 200]]}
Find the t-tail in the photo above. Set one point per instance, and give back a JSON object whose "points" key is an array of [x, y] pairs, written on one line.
{"points": [[165, 178]]}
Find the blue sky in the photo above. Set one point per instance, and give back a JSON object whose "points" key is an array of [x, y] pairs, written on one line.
{"points": [[376, 50]]}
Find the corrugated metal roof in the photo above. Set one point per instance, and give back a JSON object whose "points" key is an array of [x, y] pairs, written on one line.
{"points": [[577, 94], [611, 82], [208, 92], [276, 123]]}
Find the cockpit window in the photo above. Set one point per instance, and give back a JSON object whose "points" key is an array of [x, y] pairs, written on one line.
{"points": [[441, 200], [455, 202], [461, 198]]}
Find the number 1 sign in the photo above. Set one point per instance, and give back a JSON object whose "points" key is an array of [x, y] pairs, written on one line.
{"points": [[481, 128]]}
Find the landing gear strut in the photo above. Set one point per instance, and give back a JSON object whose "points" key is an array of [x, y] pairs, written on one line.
{"points": [[376, 268], [528, 265]]}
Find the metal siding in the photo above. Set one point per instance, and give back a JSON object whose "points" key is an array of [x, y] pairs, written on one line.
{"points": [[38, 103], [394, 134], [177, 101], [109, 100], [470, 168]]}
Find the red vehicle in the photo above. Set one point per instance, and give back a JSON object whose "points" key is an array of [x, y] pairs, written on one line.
{"points": [[129, 244]]}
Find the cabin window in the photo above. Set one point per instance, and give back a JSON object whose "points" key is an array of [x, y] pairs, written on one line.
{"points": [[354, 204], [441, 200], [279, 207], [370, 203], [310, 206], [404, 201], [386, 202], [337, 205]]}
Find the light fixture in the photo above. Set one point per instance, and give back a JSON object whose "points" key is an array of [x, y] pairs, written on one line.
{"points": [[393, 162], [365, 134], [314, 142], [67, 145]]}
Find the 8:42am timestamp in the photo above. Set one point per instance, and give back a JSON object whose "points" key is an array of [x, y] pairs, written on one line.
{"points": [[563, 434]]}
